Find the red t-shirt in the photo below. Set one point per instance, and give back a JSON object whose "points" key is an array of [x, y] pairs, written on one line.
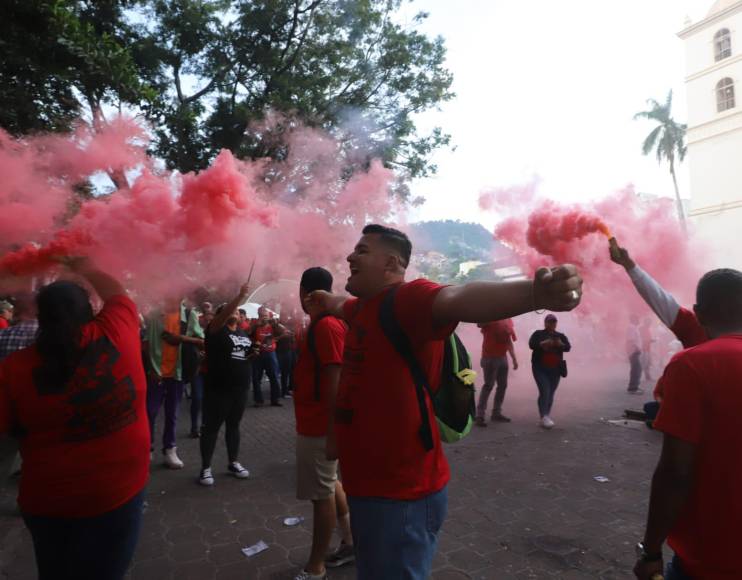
{"points": [[329, 339], [378, 419], [702, 404], [4, 323], [689, 332], [687, 329], [85, 448], [498, 336], [263, 335]]}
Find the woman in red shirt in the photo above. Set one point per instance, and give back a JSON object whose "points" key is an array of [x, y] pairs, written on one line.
{"points": [[76, 401]]}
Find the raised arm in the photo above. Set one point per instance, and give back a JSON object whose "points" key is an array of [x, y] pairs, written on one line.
{"points": [[221, 319], [662, 303], [105, 285], [557, 289], [327, 303]]}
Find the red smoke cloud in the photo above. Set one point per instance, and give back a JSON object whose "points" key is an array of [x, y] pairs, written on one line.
{"points": [[166, 232], [543, 232]]}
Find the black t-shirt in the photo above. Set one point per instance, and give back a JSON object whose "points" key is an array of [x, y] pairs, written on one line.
{"points": [[227, 360]]}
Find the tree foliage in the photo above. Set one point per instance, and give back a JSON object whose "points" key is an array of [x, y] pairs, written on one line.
{"points": [[61, 57], [206, 73]]}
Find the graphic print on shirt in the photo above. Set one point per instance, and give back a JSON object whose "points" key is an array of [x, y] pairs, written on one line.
{"points": [[100, 403], [240, 346]]}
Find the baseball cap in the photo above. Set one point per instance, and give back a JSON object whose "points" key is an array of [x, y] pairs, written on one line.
{"points": [[316, 279]]}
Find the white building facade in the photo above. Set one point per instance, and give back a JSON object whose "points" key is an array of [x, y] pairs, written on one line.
{"points": [[713, 49]]}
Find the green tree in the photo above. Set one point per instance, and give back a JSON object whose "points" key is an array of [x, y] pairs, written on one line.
{"points": [[344, 66], [206, 73], [61, 57], [667, 140]]}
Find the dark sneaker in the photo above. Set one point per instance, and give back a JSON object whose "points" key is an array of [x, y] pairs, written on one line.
{"points": [[480, 422], [195, 434], [500, 418], [340, 557], [236, 469], [276, 404], [257, 405]]}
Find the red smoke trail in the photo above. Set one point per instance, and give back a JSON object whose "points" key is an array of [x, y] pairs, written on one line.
{"points": [[32, 258], [551, 227]]}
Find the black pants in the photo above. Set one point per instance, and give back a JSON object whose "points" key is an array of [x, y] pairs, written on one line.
{"points": [[287, 362], [635, 376], [222, 405], [95, 548]]}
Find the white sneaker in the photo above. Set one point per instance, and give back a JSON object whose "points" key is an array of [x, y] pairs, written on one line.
{"points": [[171, 459], [546, 422], [236, 469], [205, 477]]}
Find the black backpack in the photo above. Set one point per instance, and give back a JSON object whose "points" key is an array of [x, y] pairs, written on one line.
{"points": [[453, 402]]}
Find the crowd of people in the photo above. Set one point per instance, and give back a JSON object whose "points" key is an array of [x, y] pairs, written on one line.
{"points": [[82, 393]]}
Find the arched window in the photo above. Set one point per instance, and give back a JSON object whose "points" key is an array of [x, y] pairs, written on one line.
{"points": [[725, 94], [722, 44]]}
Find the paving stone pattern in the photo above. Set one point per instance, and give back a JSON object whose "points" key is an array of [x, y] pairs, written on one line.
{"points": [[523, 501]]}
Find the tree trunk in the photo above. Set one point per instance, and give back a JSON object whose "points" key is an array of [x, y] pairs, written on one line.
{"points": [[678, 201]]}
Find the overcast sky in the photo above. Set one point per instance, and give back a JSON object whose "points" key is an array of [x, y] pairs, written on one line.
{"points": [[548, 88]]}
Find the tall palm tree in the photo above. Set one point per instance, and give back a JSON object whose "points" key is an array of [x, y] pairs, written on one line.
{"points": [[667, 140]]}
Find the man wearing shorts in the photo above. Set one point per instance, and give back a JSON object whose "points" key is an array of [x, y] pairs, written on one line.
{"points": [[316, 378]]}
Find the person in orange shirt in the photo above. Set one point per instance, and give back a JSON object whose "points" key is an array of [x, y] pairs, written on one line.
{"points": [[166, 331]]}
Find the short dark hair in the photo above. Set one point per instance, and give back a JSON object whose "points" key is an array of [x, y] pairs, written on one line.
{"points": [[242, 311], [316, 278], [719, 293], [393, 238]]}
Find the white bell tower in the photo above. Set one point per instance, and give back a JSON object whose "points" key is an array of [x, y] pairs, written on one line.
{"points": [[713, 50]]}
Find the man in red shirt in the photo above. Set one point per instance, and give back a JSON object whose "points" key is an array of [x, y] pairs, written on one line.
{"points": [[498, 338], [316, 378], [695, 500], [681, 321], [396, 487], [264, 333]]}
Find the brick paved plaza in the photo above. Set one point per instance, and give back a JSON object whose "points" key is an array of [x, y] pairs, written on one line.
{"points": [[523, 502]]}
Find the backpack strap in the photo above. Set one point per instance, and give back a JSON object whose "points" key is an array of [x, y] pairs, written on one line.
{"points": [[312, 345], [401, 343]]}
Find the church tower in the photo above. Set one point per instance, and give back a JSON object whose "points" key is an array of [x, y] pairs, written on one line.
{"points": [[713, 51]]}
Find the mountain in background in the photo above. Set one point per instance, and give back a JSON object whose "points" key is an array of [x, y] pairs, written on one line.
{"points": [[449, 250]]}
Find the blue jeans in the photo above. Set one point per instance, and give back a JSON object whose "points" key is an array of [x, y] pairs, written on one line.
{"points": [[287, 362], [169, 392], [265, 362], [96, 548], [675, 571], [547, 381], [396, 539]]}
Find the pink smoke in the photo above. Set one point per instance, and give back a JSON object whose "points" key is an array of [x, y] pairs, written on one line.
{"points": [[165, 232], [545, 233]]}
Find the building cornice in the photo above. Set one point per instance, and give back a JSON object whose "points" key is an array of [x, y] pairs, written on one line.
{"points": [[716, 209], [727, 122], [709, 20], [717, 66]]}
